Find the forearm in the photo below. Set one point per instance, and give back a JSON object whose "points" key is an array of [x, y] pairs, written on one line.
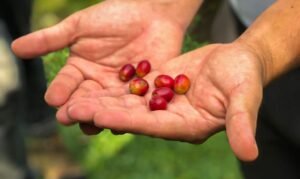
{"points": [[181, 11], [275, 36]]}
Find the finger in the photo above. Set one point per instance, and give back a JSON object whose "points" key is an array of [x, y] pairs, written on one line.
{"points": [[90, 129], [160, 124], [130, 113], [84, 89], [62, 116], [83, 109], [47, 40], [241, 120], [64, 84], [83, 113], [104, 75], [117, 132]]}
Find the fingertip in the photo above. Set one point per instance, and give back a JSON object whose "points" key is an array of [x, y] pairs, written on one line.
{"points": [[62, 117], [246, 150], [82, 111], [16, 47], [13, 46], [63, 85], [114, 132], [241, 137], [55, 96], [89, 129], [28, 46], [251, 156]]}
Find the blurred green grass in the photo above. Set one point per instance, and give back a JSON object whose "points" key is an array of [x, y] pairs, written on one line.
{"points": [[134, 157]]}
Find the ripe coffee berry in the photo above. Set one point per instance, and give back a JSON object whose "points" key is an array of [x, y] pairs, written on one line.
{"points": [[164, 81], [157, 103], [143, 68], [181, 84], [164, 92], [138, 86], [126, 72]]}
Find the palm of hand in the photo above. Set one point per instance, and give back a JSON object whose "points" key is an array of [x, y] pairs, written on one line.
{"points": [[111, 36], [102, 38], [114, 34], [226, 91]]}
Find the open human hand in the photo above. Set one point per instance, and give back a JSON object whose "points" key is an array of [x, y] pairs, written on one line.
{"points": [[226, 91], [101, 39]]}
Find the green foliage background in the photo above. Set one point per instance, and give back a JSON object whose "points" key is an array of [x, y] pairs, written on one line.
{"points": [[127, 156]]}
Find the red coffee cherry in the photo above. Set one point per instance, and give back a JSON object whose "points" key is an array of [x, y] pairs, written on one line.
{"points": [[126, 72], [138, 86], [157, 103], [164, 81], [143, 68], [164, 92], [181, 84]]}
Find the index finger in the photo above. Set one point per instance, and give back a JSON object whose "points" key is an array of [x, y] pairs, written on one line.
{"points": [[46, 40]]}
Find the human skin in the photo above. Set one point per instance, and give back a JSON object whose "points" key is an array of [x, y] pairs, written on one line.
{"points": [[227, 81], [102, 39], [226, 87]]}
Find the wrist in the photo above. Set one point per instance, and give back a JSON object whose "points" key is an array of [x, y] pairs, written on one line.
{"points": [[276, 56], [181, 12], [262, 53], [274, 39]]}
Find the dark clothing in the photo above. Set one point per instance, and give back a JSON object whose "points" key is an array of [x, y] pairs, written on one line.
{"points": [[16, 15], [25, 105], [12, 120]]}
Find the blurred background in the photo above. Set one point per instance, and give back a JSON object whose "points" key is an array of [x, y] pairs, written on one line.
{"points": [[69, 154]]}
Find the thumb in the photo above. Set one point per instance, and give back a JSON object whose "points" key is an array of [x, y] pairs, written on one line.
{"points": [[241, 120], [46, 40]]}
